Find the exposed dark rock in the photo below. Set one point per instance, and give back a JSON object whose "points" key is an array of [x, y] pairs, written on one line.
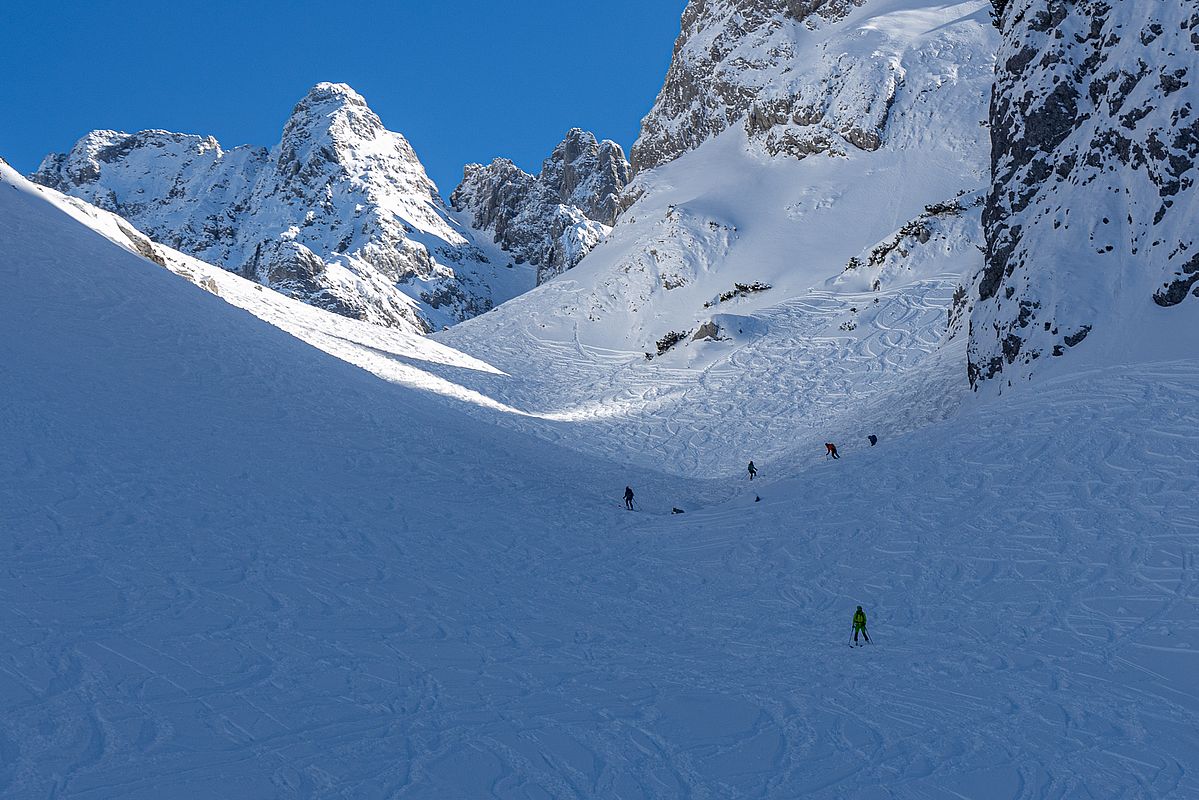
{"points": [[959, 311], [1176, 291], [1076, 337], [739, 290], [670, 340]]}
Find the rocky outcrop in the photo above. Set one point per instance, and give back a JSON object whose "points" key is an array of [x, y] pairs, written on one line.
{"points": [[734, 62], [339, 214], [946, 235], [1090, 218], [709, 331], [554, 219]]}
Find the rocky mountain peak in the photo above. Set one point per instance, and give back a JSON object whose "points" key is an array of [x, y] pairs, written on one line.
{"points": [[587, 174], [340, 213], [736, 56], [551, 220], [327, 92], [333, 128], [336, 112]]}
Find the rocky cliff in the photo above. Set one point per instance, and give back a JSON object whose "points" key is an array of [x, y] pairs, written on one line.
{"points": [[1090, 220], [735, 62], [339, 214], [551, 220]]}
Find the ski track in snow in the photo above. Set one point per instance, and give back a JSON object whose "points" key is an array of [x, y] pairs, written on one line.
{"points": [[1043, 653], [773, 398], [233, 566]]}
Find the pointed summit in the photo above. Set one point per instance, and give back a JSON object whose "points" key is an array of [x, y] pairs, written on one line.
{"points": [[328, 104], [327, 91], [588, 174], [331, 119]]}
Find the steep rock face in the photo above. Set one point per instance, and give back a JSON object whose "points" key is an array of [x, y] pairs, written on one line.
{"points": [[554, 219], [733, 61], [1090, 221], [339, 214]]}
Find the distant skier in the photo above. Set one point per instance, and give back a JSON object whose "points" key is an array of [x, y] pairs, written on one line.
{"points": [[752, 470], [628, 497], [873, 439], [831, 450], [859, 624]]}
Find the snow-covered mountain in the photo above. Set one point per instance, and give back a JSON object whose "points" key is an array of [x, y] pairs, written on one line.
{"points": [[385, 350], [339, 214], [1090, 221], [727, 207], [819, 298], [554, 219]]}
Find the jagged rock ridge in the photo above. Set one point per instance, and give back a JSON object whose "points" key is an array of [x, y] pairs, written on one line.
{"points": [[339, 214], [551, 220], [1095, 138]]}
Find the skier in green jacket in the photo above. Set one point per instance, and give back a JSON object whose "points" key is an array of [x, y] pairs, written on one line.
{"points": [[859, 624]]}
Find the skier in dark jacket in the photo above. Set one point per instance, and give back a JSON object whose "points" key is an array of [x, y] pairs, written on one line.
{"points": [[752, 470], [859, 624], [628, 497], [831, 450]]}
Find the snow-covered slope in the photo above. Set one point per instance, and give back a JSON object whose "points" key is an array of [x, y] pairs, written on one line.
{"points": [[234, 566], [339, 214], [554, 219], [837, 278], [1090, 221]]}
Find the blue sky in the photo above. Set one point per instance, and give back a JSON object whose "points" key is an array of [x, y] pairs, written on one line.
{"points": [[465, 81]]}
